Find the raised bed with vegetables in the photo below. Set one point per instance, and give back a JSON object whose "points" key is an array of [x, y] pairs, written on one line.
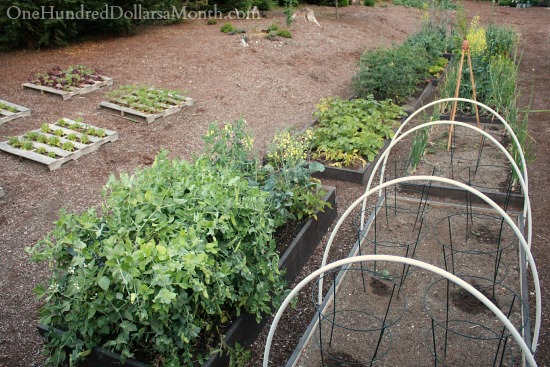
{"points": [[75, 80], [178, 251], [58, 143], [349, 135], [469, 158], [145, 103]]}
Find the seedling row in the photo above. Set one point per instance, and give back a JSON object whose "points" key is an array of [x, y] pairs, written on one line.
{"points": [[10, 111], [67, 83], [56, 144], [145, 103]]}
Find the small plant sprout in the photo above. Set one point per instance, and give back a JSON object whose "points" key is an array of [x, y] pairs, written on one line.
{"points": [[84, 139], [45, 127], [72, 137], [14, 142], [32, 135], [51, 154], [41, 150], [27, 145], [58, 132], [68, 146], [62, 122], [54, 141], [41, 138]]}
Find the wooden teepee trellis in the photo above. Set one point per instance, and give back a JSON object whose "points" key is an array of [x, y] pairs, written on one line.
{"points": [[465, 50]]}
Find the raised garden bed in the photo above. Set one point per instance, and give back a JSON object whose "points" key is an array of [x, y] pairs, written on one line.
{"points": [[10, 111], [483, 166], [144, 103], [75, 80], [371, 316], [58, 143], [349, 136], [244, 330]]}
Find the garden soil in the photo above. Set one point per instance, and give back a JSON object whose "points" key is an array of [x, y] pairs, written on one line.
{"points": [[272, 83]]}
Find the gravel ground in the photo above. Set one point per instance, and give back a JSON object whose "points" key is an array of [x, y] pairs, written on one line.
{"points": [[273, 84]]}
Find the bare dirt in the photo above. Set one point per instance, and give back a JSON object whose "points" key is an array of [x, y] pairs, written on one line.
{"points": [[273, 84]]}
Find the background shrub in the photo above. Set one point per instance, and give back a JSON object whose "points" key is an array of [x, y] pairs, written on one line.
{"points": [[391, 72]]}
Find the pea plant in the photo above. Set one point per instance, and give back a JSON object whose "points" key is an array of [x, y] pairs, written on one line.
{"points": [[176, 251]]}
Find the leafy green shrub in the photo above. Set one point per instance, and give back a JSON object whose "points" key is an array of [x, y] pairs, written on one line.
{"points": [[351, 132], [212, 21], [391, 72], [273, 28], [285, 33], [369, 2], [38, 33], [228, 28], [178, 250], [424, 4]]}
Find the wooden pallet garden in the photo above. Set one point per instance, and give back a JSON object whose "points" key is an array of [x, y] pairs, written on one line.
{"points": [[144, 103], [56, 144], [11, 111], [74, 91], [75, 80]]}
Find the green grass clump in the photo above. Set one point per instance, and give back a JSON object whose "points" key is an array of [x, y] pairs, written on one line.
{"points": [[285, 33], [228, 28]]}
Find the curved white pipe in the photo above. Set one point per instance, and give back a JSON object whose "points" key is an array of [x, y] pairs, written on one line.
{"points": [[526, 213], [522, 182], [485, 107], [479, 194], [509, 326]]}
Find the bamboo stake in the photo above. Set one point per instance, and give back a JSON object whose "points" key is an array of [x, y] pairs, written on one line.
{"points": [[465, 46], [473, 87]]}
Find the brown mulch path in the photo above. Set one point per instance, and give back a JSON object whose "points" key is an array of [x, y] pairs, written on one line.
{"points": [[273, 84]]}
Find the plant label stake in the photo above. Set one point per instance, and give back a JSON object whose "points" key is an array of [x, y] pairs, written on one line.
{"points": [[465, 49]]}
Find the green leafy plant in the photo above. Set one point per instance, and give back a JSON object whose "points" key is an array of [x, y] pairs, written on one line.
{"points": [[41, 138], [14, 142], [273, 28], [84, 139], [146, 98], [54, 141], [369, 2], [41, 150], [228, 28], [32, 135], [351, 132], [58, 132], [62, 123], [52, 155], [212, 21], [67, 79], [285, 33], [27, 145], [289, 10], [179, 249], [45, 128], [5, 107], [68, 146], [391, 72]]}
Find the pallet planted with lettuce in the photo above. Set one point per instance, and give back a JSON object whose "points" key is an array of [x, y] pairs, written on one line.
{"points": [[75, 80], [142, 103], [56, 144], [10, 111]]}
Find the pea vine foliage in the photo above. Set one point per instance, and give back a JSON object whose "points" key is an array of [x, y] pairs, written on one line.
{"points": [[351, 132], [177, 250]]}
